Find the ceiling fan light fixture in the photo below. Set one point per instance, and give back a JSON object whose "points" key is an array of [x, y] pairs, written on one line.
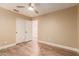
{"points": [[31, 8]]}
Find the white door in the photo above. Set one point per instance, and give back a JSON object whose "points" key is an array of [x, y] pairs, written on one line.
{"points": [[20, 30], [28, 30]]}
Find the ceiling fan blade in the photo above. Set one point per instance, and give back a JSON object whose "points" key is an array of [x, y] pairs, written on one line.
{"points": [[32, 5], [36, 11]]}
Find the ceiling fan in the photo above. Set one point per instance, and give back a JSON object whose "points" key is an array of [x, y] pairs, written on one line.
{"points": [[32, 7]]}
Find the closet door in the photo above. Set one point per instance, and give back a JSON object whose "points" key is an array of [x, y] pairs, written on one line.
{"points": [[28, 30], [20, 30]]}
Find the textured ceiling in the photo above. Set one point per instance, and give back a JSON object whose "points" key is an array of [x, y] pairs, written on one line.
{"points": [[43, 8]]}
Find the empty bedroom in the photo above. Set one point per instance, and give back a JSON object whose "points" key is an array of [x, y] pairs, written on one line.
{"points": [[39, 29]]}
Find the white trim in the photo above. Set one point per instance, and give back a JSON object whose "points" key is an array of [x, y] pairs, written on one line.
{"points": [[60, 46], [10, 45], [7, 46], [23, 41]]}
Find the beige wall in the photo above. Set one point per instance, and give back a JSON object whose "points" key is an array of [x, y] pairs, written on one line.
{"points": [[78, 25], [59, 27], [8, 27]]}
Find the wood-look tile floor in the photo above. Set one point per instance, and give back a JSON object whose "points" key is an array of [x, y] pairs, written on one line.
{"points": [[28, 49]]}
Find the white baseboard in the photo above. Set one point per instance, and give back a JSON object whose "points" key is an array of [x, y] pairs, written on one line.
{"points": [[60, 46], [7, 46], [23, 41], [10, 45]]}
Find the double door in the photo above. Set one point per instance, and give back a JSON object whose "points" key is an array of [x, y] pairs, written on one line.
{"points": [[23, 30]]}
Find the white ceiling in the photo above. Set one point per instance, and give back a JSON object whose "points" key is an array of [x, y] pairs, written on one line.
{"points": [[43, 8]]}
